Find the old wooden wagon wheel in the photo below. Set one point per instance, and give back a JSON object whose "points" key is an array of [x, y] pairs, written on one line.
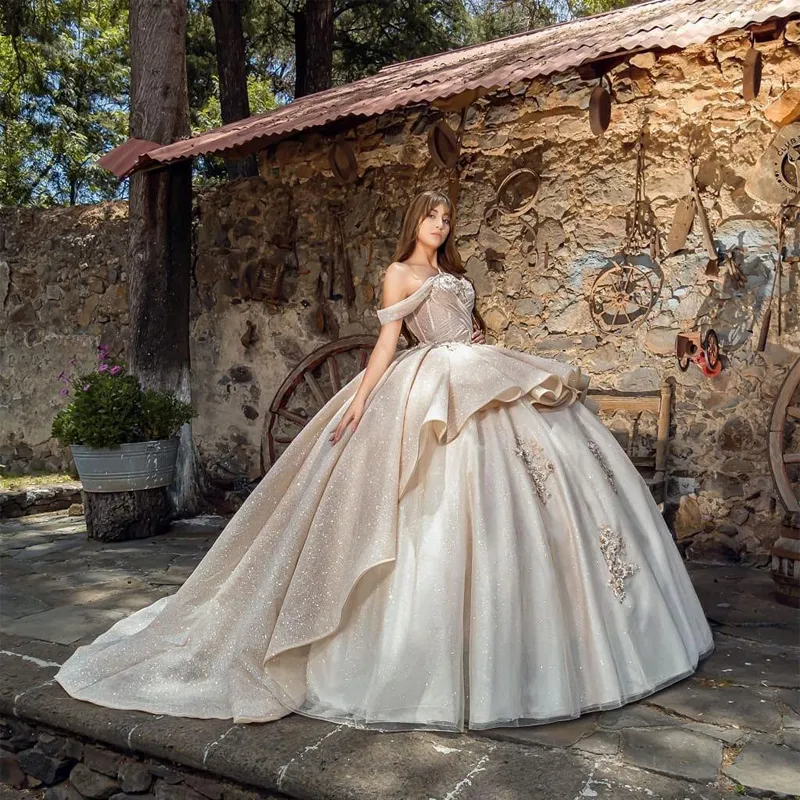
{"points": [[621, 297], [784, 441], [308, 387]]}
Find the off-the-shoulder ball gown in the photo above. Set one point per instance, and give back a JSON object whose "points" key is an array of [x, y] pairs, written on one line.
{"points": [[479, 552]]}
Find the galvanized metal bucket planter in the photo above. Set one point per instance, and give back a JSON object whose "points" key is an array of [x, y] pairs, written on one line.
{"points": [[127, 468]]}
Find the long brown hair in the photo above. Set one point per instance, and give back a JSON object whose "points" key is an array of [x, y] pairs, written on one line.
{"points": [[447, 255]]}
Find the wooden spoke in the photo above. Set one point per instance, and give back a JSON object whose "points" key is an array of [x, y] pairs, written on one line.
{"points": [[333, 374], [291, 416], [309, 387], [312, 384]]}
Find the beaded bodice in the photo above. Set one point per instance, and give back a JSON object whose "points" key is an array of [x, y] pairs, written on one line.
{"points": [[438, 312]]}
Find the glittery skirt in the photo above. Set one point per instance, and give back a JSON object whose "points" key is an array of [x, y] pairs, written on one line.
{"points": [[479, 552]]}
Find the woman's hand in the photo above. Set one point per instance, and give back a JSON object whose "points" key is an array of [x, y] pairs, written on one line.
{"points": [[478, 337], [352, 416]]}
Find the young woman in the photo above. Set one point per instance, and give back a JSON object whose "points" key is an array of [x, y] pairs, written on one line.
{"points": [[453, 541]]}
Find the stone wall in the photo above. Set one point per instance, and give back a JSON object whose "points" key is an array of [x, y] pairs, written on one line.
{"points": [[62, 288], [533, 280], [24, 501], [68, 767]]}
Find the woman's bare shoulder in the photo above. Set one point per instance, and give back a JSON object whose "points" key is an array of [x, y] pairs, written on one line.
{"points": [[398, 274], [397, 282], [397, 268]]}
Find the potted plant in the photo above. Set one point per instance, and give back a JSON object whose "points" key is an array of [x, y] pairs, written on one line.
{"points": [[123, 437]]}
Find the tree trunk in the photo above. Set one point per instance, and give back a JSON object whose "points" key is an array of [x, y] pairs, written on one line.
{"points": [[300, 56], [234, 102], [313, 36], [159, 245], [119, 516]]}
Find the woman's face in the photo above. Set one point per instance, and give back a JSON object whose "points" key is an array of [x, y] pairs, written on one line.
{"points": [[435, 227]]}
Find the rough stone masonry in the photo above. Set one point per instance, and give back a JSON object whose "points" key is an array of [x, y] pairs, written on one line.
{"points": [[63, 271]]}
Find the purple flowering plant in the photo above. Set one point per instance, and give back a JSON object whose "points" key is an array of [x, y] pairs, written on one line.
{"points": [[108, 406]]}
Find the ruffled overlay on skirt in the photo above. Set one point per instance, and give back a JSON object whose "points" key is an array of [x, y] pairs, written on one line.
{"points": [[479, 552]]}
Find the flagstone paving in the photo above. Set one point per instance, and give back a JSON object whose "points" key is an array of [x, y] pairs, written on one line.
{"points": [[731, 730]]}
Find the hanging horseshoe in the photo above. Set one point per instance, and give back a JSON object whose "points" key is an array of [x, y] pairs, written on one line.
{"points": [[517, 192]]}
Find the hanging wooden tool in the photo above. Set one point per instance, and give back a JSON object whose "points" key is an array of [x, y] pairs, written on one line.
{"points": [[454, 184], [712, 267], [689, 208], [681, 224], [444, 145], [788, 216], [347, 274]]}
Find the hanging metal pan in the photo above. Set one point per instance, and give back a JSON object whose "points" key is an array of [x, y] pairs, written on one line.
{"points": [[599, 110], [751, 81], [443, 144], [343, 162]]}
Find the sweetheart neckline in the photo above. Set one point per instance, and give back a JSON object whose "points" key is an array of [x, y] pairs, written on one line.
{"points": [[430, 278], [422, 286]]}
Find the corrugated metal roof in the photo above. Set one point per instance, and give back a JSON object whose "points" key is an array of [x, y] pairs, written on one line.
{"points": [[120, 158], [660, 24]]}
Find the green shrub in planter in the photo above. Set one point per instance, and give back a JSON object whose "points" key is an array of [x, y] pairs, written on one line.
{"points": [[109, 407]]}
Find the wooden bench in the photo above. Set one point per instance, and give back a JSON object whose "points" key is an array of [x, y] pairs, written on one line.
{"points": [[659, 402]]}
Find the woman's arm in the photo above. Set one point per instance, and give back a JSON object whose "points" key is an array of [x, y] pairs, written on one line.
{"points": [[395, 283], [395, 288]]}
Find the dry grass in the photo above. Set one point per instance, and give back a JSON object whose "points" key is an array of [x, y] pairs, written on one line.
{"points": [[10, 483]]}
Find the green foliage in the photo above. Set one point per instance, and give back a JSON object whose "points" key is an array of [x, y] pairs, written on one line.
{"points": [[370, 36], [203, 82], [65, 74], [162, 414], [494, 19], [109, 408], [64, 79], [582, 8]]}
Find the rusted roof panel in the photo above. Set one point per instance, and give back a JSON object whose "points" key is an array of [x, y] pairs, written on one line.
{"points": [[659, 24], [120, 158]]}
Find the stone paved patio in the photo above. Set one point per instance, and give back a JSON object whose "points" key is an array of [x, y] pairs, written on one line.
{"points": [[732, 730]]}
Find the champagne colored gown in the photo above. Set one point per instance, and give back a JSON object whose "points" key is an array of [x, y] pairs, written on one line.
{"points": [[480, 552]]}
